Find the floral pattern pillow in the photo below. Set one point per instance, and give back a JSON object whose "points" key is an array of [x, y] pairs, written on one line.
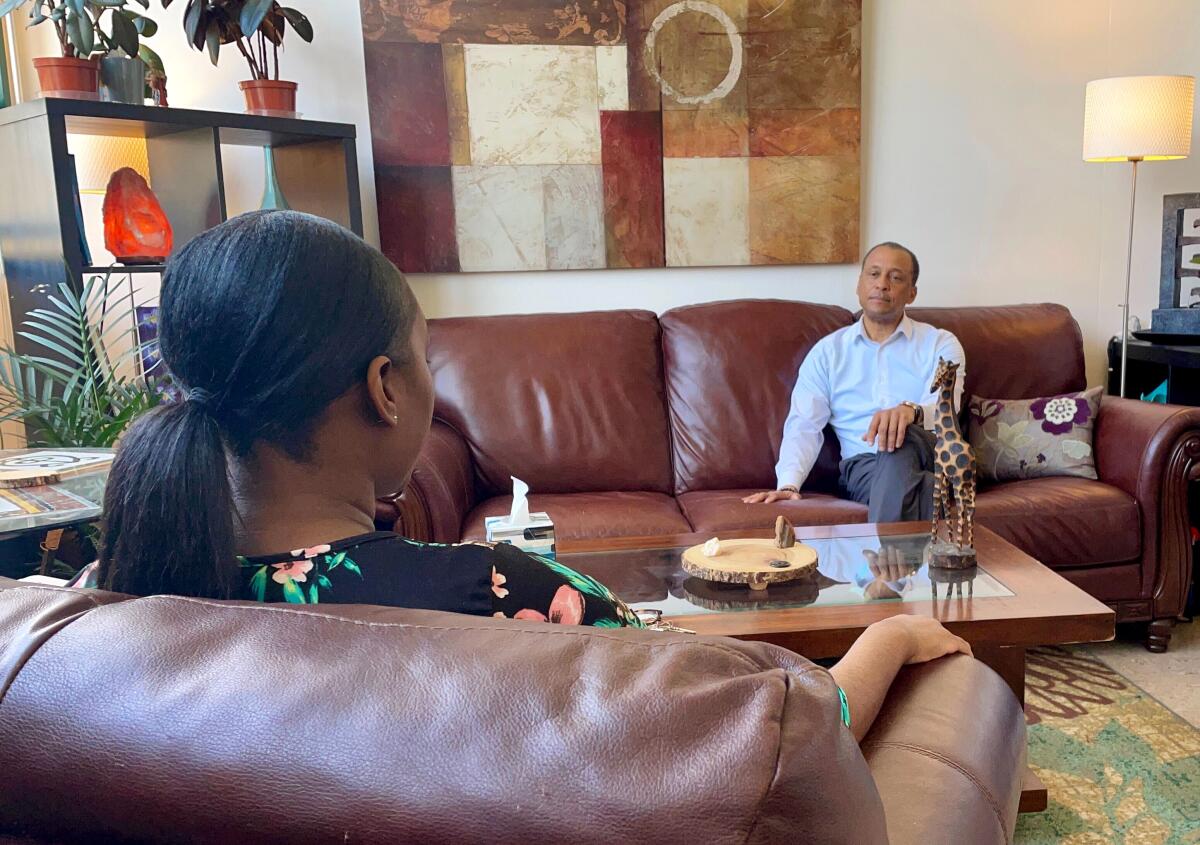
{"points": [[1034, 438]]}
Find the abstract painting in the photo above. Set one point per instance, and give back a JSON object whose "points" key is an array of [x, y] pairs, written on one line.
{"points": [[581, 134]]}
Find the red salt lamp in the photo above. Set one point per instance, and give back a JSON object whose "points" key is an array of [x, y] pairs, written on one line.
{"points": [[136, 230]]}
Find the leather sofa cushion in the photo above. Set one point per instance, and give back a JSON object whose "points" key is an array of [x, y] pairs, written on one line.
{"points": [[1015, 351], [583, 515], [1113, 583], [730, 368], [169, 719], [723, 510], [1064, 522], [566, 402]]}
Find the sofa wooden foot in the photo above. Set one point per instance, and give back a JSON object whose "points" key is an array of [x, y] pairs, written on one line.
{"points": [[1159, 635]]}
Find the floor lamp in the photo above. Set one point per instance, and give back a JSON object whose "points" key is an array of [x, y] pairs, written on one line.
{"points": [[1135, 119]]}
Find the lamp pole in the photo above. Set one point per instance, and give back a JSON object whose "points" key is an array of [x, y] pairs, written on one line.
{"points": [[1128, 272], [1136, 119]]}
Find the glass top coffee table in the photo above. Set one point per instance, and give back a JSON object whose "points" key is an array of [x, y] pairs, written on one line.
{"points": [[1008, 603]]}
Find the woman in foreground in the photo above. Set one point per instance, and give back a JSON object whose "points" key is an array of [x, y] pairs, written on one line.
{"points": [[302, 354]]}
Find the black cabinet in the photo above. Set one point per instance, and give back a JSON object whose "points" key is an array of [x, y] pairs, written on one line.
{"points": [[1152, 364]]}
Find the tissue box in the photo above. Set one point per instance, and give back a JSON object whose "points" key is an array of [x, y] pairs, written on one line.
{"points": [[535, 536]]}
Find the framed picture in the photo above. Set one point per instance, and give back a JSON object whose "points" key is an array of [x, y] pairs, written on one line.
{"points": [[153, 369], [147, 335], [1179, 283], [532, 135]]}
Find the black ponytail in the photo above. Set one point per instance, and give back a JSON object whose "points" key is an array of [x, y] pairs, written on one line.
{"points": [[168, 495], [264, 321]]}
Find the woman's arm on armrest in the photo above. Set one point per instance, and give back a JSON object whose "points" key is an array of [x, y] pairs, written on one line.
{"points": [[871, 664]]}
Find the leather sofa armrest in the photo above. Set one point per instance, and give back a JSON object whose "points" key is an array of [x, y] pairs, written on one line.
{"points": [[1151, 451], [435, 504], [1140, 446], [948, 754]]}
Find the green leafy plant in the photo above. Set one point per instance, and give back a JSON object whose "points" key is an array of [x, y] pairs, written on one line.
{"points": [[80, 24], [79, 395], [250, 24]]}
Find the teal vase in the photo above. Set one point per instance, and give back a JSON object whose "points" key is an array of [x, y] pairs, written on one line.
{"points": [[272, 197]]}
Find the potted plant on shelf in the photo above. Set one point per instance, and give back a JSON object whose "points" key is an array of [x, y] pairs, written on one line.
{"points": [[79, 25], [124, 71], [257, 27]]}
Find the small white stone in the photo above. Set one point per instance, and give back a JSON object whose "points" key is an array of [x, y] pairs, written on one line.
{"points": [[712, 548]]}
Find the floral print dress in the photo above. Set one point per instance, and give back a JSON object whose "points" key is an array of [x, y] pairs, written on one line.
{"points": [[477, 578]]}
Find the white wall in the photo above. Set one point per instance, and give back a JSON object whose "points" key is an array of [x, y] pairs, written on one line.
{"points": [[972, 125]]}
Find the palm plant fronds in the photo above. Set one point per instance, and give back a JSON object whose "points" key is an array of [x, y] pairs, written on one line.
{"points": [[77, 393]]}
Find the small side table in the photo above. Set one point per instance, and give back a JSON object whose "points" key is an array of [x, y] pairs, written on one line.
{"points": [[1150, 364], [47, 512]]}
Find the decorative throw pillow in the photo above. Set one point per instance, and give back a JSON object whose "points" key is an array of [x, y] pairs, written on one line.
{"points": [[1034, 438]]}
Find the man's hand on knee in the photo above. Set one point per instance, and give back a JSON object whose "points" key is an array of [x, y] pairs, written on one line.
{"points": [[771, 496], [888, 427]]}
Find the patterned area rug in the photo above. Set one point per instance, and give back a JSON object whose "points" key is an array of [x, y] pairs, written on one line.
{"points": [[1121, 769]]}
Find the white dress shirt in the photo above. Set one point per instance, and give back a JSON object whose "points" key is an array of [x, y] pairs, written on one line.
{"points": [[847, 377]]}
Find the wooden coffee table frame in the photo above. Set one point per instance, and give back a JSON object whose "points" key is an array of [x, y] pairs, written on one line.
{"points": [[1045, 608]]}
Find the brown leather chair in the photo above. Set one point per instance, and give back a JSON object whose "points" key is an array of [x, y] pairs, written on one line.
{"points": [[625, 424], [169, 719]]}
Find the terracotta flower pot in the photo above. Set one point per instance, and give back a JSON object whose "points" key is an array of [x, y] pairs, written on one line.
{"points": [[270, 96], [60, 77]]}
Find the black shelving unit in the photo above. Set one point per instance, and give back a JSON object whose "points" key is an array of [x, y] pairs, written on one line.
{"points": [[315, 162], [1150, 364]]}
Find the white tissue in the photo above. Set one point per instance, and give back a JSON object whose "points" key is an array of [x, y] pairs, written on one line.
{"points": [[519, 515]]}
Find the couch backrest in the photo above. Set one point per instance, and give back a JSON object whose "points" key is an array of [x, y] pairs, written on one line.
{"points": [[168, 719], [1015, 351], [566, 402], [731, 366], [620, 400], [730, 369]]}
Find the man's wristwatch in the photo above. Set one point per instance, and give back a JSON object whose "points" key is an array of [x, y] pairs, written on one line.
{"points": [[789, 488], [918, 412]]}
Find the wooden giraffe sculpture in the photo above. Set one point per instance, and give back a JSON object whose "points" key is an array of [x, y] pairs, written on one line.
{"points": [[954, 468]]}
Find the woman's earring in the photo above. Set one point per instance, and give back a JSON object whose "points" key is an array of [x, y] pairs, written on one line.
{"points": [[396, 418]]}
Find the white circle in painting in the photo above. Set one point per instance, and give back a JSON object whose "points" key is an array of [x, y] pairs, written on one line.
{"points": [[735, 42]]}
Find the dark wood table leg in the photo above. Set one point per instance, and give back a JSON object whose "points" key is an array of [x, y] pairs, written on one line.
{"points": [[1009, 664], [1033, 794]]}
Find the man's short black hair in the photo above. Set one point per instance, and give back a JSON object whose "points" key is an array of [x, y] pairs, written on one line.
{"points": [[912, 256]]}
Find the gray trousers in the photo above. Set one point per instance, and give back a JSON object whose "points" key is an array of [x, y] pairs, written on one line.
{"points": [[895, 486]]}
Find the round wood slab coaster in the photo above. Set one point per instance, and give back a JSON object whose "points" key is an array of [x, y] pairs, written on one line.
{"points": [[750, 562]]}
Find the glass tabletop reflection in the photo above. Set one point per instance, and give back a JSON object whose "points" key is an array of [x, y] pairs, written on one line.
{"points": [[72, 500], [850, 570]]}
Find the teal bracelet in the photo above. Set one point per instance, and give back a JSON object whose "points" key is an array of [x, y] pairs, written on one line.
{"points": [[845, 707]]}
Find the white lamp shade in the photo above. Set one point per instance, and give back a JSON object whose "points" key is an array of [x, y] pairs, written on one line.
{"points": [[1138, 117]]}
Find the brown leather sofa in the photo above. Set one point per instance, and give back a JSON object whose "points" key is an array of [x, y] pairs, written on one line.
{"points": [[627, 424], [168, 719]]}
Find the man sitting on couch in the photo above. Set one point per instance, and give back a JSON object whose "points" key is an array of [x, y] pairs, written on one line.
{"points": [[870, 381]]}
